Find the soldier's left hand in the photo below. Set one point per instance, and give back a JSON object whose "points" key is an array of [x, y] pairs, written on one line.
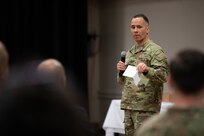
{"points": [[142, 68]]}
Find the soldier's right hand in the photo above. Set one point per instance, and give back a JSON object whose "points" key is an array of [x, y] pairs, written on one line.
{"points": [[121, 66]]}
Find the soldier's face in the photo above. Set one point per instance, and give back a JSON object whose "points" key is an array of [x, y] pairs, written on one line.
{"points": [[139, 29]]}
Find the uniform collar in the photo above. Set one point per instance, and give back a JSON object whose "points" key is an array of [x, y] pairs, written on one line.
{"points": [[136, 49]]}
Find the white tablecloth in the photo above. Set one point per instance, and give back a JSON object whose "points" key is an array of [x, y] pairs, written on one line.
{"points": [[114, 118]]}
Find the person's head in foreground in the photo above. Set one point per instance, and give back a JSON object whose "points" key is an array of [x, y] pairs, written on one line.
{"points": [[186, 117], [52, 70]]}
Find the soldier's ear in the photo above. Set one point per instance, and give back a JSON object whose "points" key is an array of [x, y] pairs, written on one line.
{"points": [[148, 29]]}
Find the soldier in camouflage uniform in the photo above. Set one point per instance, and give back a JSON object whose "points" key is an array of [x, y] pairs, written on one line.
{"points": [[186, 117], [143, 100]]}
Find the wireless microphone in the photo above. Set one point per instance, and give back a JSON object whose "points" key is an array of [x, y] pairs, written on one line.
{"points": [[122, 58]]}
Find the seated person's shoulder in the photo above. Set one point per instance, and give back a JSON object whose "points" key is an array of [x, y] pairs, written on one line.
{"points": [[149, 125]]}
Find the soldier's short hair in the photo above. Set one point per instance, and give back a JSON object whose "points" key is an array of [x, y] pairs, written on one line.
{"points": [[187, 71], [143, 16]]}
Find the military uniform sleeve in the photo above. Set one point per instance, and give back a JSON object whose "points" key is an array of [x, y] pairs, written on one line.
{"points": [[120, 79], [158, 69]]}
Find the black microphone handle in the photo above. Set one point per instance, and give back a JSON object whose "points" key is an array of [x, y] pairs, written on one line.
{"points": [[123, 59], [123, 54], [122, 71]]}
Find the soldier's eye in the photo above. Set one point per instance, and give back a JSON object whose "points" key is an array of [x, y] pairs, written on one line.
{"points": [[139, 26], [132, 27]]}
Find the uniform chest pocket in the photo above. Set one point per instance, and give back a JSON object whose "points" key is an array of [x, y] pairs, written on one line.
{"points": [[145, 58], [131, 61]]}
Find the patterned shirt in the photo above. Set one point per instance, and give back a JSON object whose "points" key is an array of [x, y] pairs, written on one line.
{"points": [[175, 122]]}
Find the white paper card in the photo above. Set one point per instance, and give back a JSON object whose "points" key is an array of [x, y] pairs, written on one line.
{"points": [[131, 71]]}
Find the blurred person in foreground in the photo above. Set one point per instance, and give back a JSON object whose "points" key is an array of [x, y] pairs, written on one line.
{"points": [[186, 118], [38, 110], [52, 71], [141, 101], [4, 64]]}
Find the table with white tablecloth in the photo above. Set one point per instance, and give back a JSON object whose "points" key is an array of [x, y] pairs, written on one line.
{"points": [[114, 118]]}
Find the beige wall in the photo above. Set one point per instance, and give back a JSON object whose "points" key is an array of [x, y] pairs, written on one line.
{"points": [[175, 24]]}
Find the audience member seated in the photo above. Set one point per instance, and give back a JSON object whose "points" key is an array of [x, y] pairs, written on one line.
{"points": [[186, 117], [38, 110], [30, 105], [52, 71]]}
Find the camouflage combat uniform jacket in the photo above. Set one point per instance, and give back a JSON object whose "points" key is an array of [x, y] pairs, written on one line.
{"points": [[147, 95], [175, 122]]}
